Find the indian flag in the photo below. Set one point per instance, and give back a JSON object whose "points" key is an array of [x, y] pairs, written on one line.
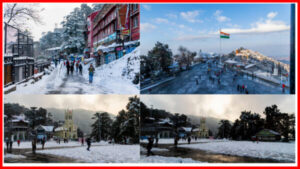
{"points": [[224, 35]]}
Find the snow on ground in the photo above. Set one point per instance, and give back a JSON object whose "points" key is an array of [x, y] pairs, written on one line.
{"points": [[118, 75], [27, 144], [48, 81], [112, 78], [163, 159], [171, 141], [14, 156], [142, 149], [268, 150], [99, 154]]}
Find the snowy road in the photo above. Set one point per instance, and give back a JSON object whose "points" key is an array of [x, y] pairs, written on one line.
{"points": [[185, 83]]}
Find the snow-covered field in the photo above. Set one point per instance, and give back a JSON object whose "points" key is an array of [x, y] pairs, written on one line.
{"points": [[163, 159], [48, 144], [171, 141], [99, 154], [267, 150]]}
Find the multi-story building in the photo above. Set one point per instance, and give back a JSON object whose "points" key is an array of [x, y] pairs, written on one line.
{"points": [[114, 28], [89, 44]]}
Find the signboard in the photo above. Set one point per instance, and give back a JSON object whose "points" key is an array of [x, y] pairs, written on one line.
{"points": [[125, 32]]}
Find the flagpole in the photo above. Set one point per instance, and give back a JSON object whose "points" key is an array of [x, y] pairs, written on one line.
{"points": [[220, 44]]}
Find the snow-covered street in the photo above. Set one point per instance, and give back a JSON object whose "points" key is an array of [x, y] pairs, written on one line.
{"points": [[115, 77], [185, 83], [265, 150]]}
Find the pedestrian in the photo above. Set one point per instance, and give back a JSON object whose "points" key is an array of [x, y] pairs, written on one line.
{"points": [[91, 73], [283, 88], [156, 141], [175, 141], [77, 66], [189, 140], [18, 142], [7, 143], [149, 146], [43, 142], [58, 140], [80, 68], [72, 68], [82, 141], [238, 87], [10, 145], [68, 67], [88, 142], [243, 88], [33, 145]]}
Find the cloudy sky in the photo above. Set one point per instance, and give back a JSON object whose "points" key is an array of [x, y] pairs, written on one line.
{"points": [[219, 106], [110, 103], [52, 15], [261, 27]]}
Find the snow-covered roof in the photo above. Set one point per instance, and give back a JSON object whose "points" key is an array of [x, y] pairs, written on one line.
{"points": [[187, 129], [59, 129], [18, 118], [196, 129], [229, 61], [55, 48], [165, 121], [249, 66], [23, 58], [47, 128]]}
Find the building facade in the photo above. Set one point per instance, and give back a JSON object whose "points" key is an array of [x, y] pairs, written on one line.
{"points": [[68, 130], [115, 27]]}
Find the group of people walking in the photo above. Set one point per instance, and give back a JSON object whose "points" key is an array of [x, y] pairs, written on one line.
{"points": [[77, 65]]}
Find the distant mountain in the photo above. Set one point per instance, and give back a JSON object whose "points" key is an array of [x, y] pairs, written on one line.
{"points": [[82, 118]]}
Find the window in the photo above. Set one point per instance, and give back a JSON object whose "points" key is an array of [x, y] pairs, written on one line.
{"points": [[135, 21], [134, 7]]}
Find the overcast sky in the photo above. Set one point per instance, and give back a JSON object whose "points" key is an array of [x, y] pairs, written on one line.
{"points": [[219, 106], [52, 14], [110, 103]]}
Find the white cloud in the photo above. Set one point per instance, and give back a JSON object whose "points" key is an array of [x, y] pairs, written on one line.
{"points": [[147, 7], [191, 16], [272, 15], [220, 17], [172, 16], [194, 37], [146, 27], [263, 26], [161, 20]]}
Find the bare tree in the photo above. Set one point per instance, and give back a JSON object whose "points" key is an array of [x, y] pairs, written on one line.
{"points": [[18, 14], [185, 57]]}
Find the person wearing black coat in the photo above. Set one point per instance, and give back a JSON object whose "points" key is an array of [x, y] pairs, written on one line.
{"points": [[149, 146], [88, 142]]}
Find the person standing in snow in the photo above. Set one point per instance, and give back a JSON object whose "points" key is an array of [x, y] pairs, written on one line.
{"points": [[175, 141], [68, 67], [149, 146], [189, 140], [80, 68], [72, 68], [82, 141], [33, 145], [77, 66], [43, 142], [7, 143], [283, 88], [18, 142], [88, 142], [91, 73]]}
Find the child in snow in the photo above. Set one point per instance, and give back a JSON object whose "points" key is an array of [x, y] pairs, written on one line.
{"points": [[80, 68], [91, 73]]}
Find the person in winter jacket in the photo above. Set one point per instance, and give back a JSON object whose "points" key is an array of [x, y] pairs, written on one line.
{"points": [[88, 142], [80, 68], [91, 73], [149, 146]]}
